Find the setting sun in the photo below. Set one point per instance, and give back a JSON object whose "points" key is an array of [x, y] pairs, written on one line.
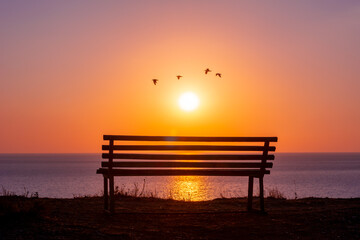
{"points": [[188, 101]]}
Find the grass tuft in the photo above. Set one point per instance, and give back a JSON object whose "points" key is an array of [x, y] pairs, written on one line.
{"points": [[275, 193], [14, 206]]}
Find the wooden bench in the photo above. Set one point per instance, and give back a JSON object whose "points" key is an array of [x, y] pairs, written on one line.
{"points": [[185, 156]]}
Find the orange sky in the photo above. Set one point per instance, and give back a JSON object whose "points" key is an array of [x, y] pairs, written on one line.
{"points": [[71, 72]]}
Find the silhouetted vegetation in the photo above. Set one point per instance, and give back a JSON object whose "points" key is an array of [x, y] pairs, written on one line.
{"points": [[275, 193], [19, 207], [150, 218]]}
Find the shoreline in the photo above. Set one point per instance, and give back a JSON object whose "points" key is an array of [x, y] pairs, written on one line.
{"points": [[153, 218]]}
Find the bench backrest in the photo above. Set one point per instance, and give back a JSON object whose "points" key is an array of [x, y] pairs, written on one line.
{"points": [[169, 155]]}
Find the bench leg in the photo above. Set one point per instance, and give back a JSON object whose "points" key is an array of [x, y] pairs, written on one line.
{"points": [[106, 194], [111, 183], [261, 186], [250, 193]]}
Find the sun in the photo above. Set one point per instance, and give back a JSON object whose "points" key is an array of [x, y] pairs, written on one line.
{"points": [[188, 101]]}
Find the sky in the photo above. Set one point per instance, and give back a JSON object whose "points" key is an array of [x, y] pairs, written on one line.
{"points": [[71, 71]]}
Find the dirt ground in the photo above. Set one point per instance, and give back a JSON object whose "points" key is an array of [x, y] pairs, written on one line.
{"points": [[148, 218]]}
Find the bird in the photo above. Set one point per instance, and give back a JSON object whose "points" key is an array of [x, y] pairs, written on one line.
{"points": [[178, 77], [155, 81], [207, 70], [218, 74]]}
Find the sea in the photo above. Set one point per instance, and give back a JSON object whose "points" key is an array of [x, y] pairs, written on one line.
{"points": [[294, 175]]}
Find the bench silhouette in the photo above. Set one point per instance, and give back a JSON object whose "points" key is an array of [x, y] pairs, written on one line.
{"points": [[184, 156]]}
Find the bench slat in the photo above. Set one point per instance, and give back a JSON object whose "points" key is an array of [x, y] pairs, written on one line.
{"points": [[186, 156], [191, 139], [186, 165], [181, 172], [186, 148]]}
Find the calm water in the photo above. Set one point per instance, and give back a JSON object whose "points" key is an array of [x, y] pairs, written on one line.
{"points": [[334, 175]]}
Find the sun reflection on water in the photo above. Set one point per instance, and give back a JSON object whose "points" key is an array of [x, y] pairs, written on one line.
{"points": [[188, 188]]}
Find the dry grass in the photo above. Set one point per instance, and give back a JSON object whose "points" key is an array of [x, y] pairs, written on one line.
{"points": [[145, 218], [148, 217], [22, 205], [275, 193], [127, 192], [25, 194], [140, 192]]}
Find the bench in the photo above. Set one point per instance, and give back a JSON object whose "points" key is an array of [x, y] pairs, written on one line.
{"points": [[185, 156]]}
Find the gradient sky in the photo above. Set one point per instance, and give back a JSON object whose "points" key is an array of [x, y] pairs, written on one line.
{"points": [[71, 71]]}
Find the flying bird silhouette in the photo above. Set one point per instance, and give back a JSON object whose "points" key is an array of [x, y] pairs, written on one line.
{"points": [[178, 77], [207, 70], [218, 74], [155, 81]]}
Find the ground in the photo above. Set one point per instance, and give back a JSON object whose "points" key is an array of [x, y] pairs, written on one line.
{"points": [[150, 218]]}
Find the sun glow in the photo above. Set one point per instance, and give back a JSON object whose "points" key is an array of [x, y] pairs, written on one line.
{"points": [[188, 101]]}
